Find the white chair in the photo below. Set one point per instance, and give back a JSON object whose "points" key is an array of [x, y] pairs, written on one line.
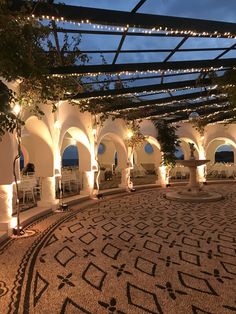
{"points": [[26, 187]]}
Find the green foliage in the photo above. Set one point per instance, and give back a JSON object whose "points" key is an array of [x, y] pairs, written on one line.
{"points": [[168, 141], [137, 137], [22, 57]]}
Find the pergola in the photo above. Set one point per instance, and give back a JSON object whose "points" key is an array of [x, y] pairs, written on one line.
{"points": [[169, 88]]}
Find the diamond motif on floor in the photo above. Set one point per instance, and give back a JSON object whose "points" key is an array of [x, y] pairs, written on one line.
{"points": [[197, 231], [40, 286], [162, 234], [190, 258], [93, 211], [109, 226], [143, 299], [226, 238], [145, 266], [186, 219], [111, 251], [127, 218], [141, 225], [157, 219], [190, 242], [64, 256], [94, 276], [98, 218], [152, 246], [88, 238], [196, 283], [229, 267], [226, 250], [174, 225], [206, 224], [70, 307], [75, 227], [126, 236]]}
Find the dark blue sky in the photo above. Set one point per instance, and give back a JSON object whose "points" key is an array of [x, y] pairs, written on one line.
{"points": [[221, 10]]}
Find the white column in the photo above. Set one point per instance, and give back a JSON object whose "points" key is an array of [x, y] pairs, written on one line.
{"points": [[201, 170], [162, 176], [48, 193], [125, 179], [5, 206], [87, 183]]}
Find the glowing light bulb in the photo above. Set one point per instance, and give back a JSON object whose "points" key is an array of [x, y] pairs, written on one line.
{"points": [[129, 134], [16, 109]]}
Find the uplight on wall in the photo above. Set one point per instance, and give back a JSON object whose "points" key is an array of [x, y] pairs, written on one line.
{"points": [[57, 125], [94, 131]]}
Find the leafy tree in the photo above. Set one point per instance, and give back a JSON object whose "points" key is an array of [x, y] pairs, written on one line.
{"points": [[166, 136]]}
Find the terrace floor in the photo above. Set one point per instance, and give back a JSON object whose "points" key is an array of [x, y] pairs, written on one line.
{"points": [[132, 253]]}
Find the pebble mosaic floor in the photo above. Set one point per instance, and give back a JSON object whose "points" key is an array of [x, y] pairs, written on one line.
{"points": [[133, 253]]}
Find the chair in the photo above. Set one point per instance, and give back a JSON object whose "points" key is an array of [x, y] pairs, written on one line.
{"points": [[178, 175], [26, 186], [66, 182], [74, 181]]}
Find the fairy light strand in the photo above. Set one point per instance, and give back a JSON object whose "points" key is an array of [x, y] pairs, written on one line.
{"points": [[163, 30]]}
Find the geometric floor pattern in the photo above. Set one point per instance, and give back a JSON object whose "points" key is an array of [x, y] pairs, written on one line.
{"points": [[135, 253]]}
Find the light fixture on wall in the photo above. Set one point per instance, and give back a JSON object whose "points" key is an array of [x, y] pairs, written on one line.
{"points": [[16, 109], [57, 124], [94, 131], [129, 134]]}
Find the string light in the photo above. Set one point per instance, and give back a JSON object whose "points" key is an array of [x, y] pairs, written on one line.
{"points": [[133, 28], [144, 93], [136, 72], [167, 104]]}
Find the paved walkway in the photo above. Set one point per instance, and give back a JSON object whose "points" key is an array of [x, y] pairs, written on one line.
{"points": [[136, 253]]}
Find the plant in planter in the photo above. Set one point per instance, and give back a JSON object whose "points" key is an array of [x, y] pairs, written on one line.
{"points": [[168, 140]]}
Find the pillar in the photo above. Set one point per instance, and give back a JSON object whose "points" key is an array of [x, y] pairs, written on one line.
{"points": [[125, 179], [6, 193], [163, 176], [48, 193], [87, 183]]}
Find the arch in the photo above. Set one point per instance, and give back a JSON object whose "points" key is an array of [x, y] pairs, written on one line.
{"points": [[120, 147], [39, 146], [70, 156], [78, 138], [217, 142], [148, 160], [153, 141], [225, 139], [74, 126], [76, 134]]}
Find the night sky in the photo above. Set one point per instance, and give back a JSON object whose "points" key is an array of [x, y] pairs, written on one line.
{"points": [[221, 10], [218, 10]]}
